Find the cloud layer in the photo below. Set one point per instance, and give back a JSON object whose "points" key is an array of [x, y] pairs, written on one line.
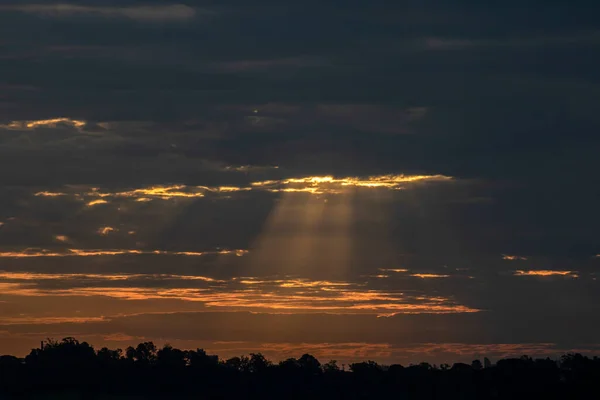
{"points": [[419, 180]]}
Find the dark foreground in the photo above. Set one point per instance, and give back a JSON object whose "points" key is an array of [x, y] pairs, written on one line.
{"points": [[73, 370]]}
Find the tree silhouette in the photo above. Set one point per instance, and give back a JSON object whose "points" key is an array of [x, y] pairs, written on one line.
{"points": [[476, 365], [145, 372], [168, 357], [144, 353]]}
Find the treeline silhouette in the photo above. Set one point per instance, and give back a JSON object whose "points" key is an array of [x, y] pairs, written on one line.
{"points": [[73, 369]]}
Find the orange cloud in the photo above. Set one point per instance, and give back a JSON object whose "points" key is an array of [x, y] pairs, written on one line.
{"points": [[331, 185], [313, 185], [544, 272], [48, 320], [430, 276], [45, 123], [31, 253], [32, 276], [96, 202], [266, 295], [50, 194], [513, 258]]}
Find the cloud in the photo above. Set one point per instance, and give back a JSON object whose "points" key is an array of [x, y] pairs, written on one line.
{"points": [[39, 253], [513, 258], [311, 184], [96, 202], [430, 276], [47, 123], [343, 113], [253, 65], [570, 274], [105, 230], [150, 13], [259, 295], [142, 194], [330, 184]]}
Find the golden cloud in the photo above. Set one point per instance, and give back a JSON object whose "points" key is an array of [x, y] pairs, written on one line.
{"points": [[429, 276], [332, 185], [32, 253], [43, 123], [96, 202], [313, 185], [543, 272], [264, 295]]}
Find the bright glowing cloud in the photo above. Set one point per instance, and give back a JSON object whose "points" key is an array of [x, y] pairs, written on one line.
{"points": [[96, 202], [50, 194], [140, 194], [429, 276], [153, 192], [330, 184], [34, 253], [43, 123], [572, 274], [313, 185]]}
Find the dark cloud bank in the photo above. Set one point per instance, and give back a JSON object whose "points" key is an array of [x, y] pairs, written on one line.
{"points": [[155, 130]]}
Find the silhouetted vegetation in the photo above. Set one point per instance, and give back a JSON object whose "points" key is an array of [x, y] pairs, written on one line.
{"points": [[73, 369]]}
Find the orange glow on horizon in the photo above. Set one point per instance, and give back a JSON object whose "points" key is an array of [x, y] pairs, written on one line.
{"points": [[267, 295]]}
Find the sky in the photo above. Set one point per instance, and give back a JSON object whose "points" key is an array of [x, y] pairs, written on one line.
{"points": [[400, 181]]}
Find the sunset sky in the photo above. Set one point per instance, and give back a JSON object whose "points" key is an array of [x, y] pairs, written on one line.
{"points": [[400, 181]]}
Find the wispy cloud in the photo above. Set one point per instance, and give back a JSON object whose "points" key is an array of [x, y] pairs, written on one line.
{"points": [[148, 13], [35, 253], [509, 257], [397, 270], [62, 238], [94, 202], [105, 230], [33, 276], [330, 184], [311, 184], [44, 123], [544, 272], [430, 276], [141, 194], [284, 295]]}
